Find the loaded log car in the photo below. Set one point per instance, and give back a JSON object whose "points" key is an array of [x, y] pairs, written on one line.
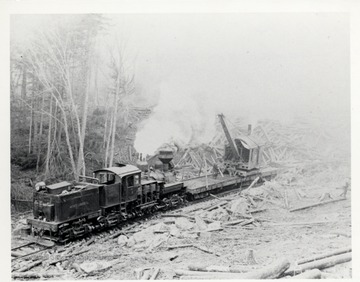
{"points": [[65, 210]]}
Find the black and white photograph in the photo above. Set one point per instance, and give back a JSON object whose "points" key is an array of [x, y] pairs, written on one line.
{"points": [[170, 145]]}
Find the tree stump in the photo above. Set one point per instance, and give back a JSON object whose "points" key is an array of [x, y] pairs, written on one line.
{"points": [[249, 257]]}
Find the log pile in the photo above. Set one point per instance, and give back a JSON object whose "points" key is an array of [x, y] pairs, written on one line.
{"points": [[300, 140], [282, 268]]}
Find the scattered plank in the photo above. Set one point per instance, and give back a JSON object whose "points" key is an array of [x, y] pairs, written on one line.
{"points": [[316, 205]]}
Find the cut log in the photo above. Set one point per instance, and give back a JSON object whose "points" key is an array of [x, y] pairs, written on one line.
{"points": [[316, 205], [268, 272], [179, 246], [30, 266], [310, 274], [326, 255], [320, 264], [219, 268]]}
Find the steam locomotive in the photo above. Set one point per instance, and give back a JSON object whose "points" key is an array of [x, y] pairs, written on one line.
{"points": [[64, 211]]}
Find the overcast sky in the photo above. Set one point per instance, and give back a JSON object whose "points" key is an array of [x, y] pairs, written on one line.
{"points": [[261, 65]]}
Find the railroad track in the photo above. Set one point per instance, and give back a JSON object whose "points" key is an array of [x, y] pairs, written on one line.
{"points": [[37, 250], [30, 248]]}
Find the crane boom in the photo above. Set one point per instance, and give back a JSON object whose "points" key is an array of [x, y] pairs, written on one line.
{"points": [[228, 137]]}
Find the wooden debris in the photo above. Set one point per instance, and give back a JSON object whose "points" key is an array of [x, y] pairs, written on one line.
{"points": [[320, 264], [317, 204], [206, 250], [179, 246], [326, 255], [258, 210], [215, 206], [268, 272], [251, 185], [219, 268], [30, 266], [229, 223]]}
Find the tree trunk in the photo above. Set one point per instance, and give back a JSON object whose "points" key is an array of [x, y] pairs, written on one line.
{"points": [[108, 141], [67, 137], [81, 160], [117, 93], [40, 134], [48, 153], [23, 83], [31, 122]]}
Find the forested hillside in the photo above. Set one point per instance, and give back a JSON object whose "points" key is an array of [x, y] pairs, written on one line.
{"points": [[73, 102]]}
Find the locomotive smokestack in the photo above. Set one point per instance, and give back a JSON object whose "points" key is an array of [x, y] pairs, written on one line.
{"points": [[249, 129], [166, 156]]}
